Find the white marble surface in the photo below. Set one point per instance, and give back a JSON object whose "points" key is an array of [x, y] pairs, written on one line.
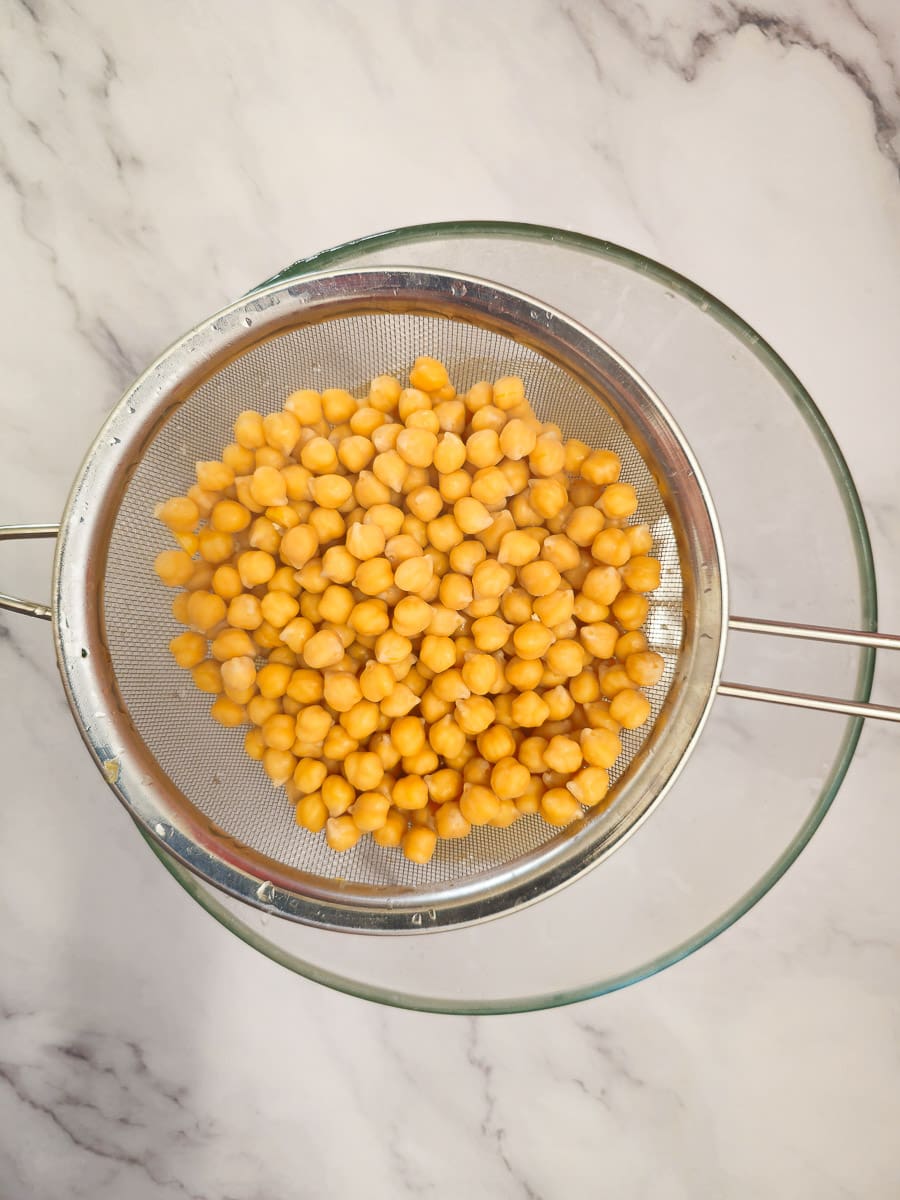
{"points": [[155, 161]]}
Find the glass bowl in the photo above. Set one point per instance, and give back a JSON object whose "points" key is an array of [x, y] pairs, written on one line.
{"points": [[761, 778]]}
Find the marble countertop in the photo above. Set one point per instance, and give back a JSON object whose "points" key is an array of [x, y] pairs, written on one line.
{"points": [[155, 162]]}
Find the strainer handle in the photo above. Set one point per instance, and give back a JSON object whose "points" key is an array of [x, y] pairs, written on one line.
{"points": [[14, 533], [816, 633]]}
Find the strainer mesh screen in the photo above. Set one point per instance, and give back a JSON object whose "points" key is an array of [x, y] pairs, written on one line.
{"points": [[206, 761]]}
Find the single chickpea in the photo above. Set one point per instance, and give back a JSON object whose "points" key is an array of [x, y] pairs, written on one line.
{"points": [[588, 610], [474, 714], [323, 649], [226, 582], [599, 639], [310, 812], [630, 708], [409, 793], [338, 564], [450, 821], [509, 779], [529, 710], [602, 584], [585, 523], [585, 687], [645, 668], [248, 430], [478, 804], [600, 747], [517, 548], [641, 574], [589, 786], [516, 606], [483, 448], [416, 446], [419, 843], [490, 487], [614, 680], [174, 567], [338, 405], [517, 439], [548, 497], [342, 833], [555, 609], [601, 467], [205, 611], [559, 806], [449, 453], [454, 486], [563, 754], [619, 500], [630, 610], [491, 578], [278, 765], [496, 742], [532, 640], [231, 643], [522, 674], [180, 514], [411, 616], [491, 633], [188, 649], [548, 456], [539, 578], [361, 720], [393, 830], [480, 673]]}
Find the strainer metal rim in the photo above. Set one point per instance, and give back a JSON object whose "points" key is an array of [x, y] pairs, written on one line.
{"points": [[86, 668]]}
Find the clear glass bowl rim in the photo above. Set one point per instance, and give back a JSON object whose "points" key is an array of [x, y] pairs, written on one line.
{"points": [[346, 254]]}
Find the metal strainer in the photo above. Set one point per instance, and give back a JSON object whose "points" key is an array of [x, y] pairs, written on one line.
{"points": [[186, 780]]}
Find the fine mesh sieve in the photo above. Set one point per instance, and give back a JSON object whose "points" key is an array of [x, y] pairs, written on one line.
{"points": [[184, 779]]}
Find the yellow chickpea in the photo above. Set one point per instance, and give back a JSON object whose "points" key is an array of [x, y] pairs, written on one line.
{"points": [[449, 453], [361, 720], [559, 701], [532, 640], [491, 633], [310, 812], [509, 779], [529, 710], [365, 541], [645, 668], [548, 497], [589, 786], [205, 611], [517, 439], [411, 616], [539, 578], [491, 487], [599, 639], [278, 765], [455, 591], [231, 643], [483, 448], [524, 674], [495, 743], [584, 524], [342, 833], [641, 574], [619, 500], [630, 610], [337, 794], [338, 564], [419, 844], [601, 467], [174, 567], [272, 680], [478, 804], [369, 618], [517, 548], [248, 430], [409, 793], [630, 708], [437, 653], [188, 649], [548, 456], [450, 821], [491, 579], [180, 514], [555, 609], [563, 754], [602, 584], [323, 649], [559, 806]]}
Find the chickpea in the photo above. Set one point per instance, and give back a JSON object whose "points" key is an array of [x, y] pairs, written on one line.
{"points": [[630, 610], [509, 779], [630, 708], [478, 804], [641, 574], [529, 710], [496, 742], [411, 616], [548, 456], [517, 439], [563, 754], [455, 591], [602, 584], [559, 806], [601, 467], [532, 640], [517, 548], [483, 448], [524, 674], [409, 793], [491, 579], [450, 821], [323, 649]]}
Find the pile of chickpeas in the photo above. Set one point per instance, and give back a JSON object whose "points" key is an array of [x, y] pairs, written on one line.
{"points": [[426, 606]]}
